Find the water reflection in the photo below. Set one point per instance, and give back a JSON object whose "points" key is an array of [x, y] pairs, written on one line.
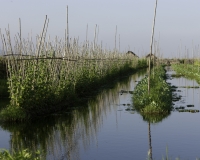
{"points": [[152, 119], [150, 145], [61, 136]]}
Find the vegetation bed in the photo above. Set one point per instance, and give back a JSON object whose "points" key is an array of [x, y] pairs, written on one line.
{"points": [[159, 99], [47, 86], [191, 71]]}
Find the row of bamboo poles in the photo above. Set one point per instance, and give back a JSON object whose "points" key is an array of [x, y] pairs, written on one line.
{"points": [[50, 71]]}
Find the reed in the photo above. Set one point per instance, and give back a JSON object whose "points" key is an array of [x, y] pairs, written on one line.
{"points": [[151, 47]]}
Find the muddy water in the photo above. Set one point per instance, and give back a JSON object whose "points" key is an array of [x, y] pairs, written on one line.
{"points": [[108, 129]]}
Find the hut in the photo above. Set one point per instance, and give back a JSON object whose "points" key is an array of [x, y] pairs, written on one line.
{"points": [[132, 54], [152, 56]]}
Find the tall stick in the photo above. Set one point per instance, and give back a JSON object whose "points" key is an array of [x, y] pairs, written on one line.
{"points": [[116, 39], [20, 36], [119, 42], [86, 35], [67, 32], [3, 44], [151, 44], [95, 34], [40, 42]]}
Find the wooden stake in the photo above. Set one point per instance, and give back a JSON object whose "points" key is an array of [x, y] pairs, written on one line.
{"points": [[151, 44], [20, 36], [67, 32]]}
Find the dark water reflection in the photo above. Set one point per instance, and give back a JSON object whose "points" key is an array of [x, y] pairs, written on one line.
{"points": [[105, 129]]}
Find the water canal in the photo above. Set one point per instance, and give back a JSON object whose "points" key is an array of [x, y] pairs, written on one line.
{"points": [[108, 129]]}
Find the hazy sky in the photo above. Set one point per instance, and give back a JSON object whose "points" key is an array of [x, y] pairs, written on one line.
{"points": [[177, 21]]}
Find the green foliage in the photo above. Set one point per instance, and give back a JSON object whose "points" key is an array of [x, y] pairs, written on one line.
{"points": [[21, 155], [3, 88], [142, 63], [160, 97], [3, 80], [2, 68], [13, 113], [47, 85], [189, 71], [155, 118], [197, 62]]}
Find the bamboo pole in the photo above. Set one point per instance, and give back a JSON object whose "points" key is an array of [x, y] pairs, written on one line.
{"points": [[20, 36], [119, 42], [151, 44], [86, 37], [116, 39], [67, 32], [95, 34], [3, 44], [40, 42]]}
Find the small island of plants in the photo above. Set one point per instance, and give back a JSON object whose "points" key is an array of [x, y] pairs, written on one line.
{"points": [[159, 98]]}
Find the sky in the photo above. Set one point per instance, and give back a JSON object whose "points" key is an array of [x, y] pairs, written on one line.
{"points": [[177, 25]]}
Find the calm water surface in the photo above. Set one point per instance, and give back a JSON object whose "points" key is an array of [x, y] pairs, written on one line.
{"points": [[104, 130]]}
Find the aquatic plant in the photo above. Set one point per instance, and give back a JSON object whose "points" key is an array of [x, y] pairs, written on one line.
{"points": [[189, 70], [160, 97], [20, 155]]}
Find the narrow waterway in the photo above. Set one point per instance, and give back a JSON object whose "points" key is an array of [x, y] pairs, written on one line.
{"points": [[108, 129]]}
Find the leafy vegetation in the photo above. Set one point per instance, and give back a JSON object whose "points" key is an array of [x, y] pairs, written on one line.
{"points": [[142, 63], [190, 71], [50, 82], [3, 88], [3, 79], [2, 68], [160, 97], [21, 155], [155, 118]]}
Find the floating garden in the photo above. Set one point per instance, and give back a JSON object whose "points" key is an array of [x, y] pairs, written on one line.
{"points": [[191, 71], [52, 76], [159, 98]]}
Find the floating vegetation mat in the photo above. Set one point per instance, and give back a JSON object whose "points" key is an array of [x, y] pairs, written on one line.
{"points": [[159, 100], [189, 110], [190, 105], [188, 70], [124, 91], [188, 87]]}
